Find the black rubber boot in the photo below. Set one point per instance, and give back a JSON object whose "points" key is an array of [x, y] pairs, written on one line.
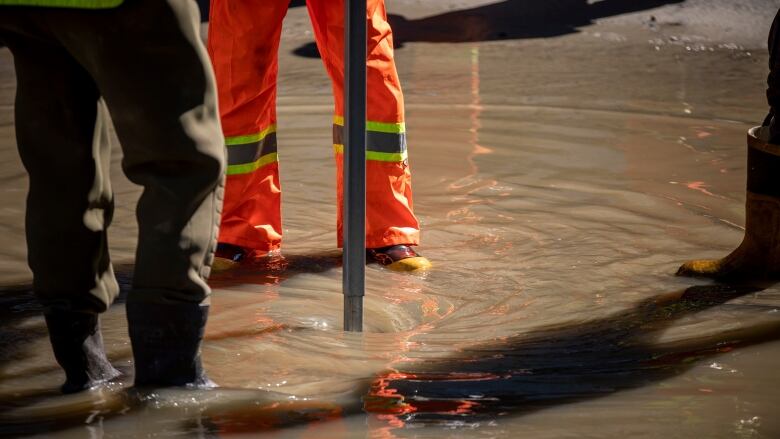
{"points": [[166, 342], [78, 347]]}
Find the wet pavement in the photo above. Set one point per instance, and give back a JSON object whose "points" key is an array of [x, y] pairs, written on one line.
{"points": [[560, 181]]}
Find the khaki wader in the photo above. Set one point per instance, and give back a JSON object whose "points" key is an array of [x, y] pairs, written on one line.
{"points": [[143, 63]]}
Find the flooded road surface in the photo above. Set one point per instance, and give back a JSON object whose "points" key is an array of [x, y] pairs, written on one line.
{"points": [[560, 183]]}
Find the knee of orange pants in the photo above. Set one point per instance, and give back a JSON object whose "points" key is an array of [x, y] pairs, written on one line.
{"points": [[389, 211], [251, 216]]}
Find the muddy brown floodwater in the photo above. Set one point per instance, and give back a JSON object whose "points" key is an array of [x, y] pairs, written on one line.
{"points": [[560, 181]]}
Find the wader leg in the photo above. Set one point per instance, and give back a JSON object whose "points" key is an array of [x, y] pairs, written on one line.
{"points": [[148, 62], [152, 69], [63, 143]]}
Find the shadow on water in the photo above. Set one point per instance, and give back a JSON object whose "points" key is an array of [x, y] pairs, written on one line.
{"points": [[515, 376], [565, 364], [506, 20], [17, 304]]}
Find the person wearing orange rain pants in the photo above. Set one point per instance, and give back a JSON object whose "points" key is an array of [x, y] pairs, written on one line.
{"points": [[243, 42]]}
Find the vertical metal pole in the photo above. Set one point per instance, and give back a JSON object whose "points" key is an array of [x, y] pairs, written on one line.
{"points": [[354, 162]]}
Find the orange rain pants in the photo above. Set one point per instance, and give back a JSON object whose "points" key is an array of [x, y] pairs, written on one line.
{"points": [[243, 44]]}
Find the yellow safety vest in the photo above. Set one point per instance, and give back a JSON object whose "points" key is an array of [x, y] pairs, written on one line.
{"points": [[81, 4]]}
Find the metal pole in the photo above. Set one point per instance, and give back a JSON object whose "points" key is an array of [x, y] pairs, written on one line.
{"points": [[354, 162]]}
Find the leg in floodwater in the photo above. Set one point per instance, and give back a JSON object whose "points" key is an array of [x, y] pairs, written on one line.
{"points": [[758, 257], [63, 143], [759, 254], [391, 226], [243, 45], [162, 98], [178, 157]]}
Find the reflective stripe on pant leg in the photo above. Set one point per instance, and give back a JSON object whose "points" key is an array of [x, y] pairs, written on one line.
{"points": [[243, 44], [253, 193], [389, 211], [385, 142], [389, 217]]}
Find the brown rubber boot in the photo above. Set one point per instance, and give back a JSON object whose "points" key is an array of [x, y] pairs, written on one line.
{"points": [[758, 257]]}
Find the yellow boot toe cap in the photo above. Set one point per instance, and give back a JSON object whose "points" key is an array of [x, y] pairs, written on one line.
{"points": [[701, 267], [222, 264], [417, 263]]}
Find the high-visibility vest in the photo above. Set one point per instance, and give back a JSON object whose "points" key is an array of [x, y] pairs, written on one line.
{"points": [[80, 4]]}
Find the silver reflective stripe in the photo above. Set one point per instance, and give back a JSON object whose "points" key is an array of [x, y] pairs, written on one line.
{"points": [[251, 152], [375, 141]]}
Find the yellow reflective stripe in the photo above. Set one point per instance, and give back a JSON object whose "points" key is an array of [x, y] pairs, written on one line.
{"points": [[247, 168], [249, 138], [381, 127], [395, 128], [386, 156], [377, 156], [82, 4]]}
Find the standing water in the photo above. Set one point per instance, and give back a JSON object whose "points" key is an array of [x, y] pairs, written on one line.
{"points": [[560, 180]]}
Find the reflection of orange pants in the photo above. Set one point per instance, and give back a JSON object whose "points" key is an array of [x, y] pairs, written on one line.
{"points": [[243, 43]]}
